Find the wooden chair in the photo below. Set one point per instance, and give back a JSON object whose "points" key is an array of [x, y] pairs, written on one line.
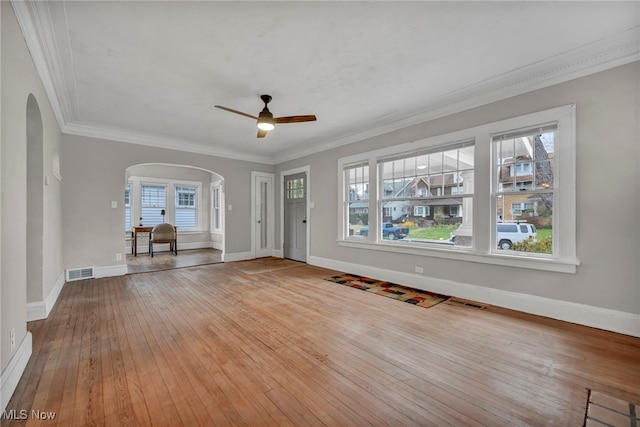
{"points": [[164, 233]]}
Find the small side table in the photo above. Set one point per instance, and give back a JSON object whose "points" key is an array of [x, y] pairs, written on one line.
{"points": [[136, 230]]}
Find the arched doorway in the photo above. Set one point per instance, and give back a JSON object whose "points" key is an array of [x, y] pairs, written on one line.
{"points": [[35, 200], [187, 196]]}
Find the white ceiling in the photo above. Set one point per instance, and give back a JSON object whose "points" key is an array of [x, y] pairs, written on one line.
{"points": [[150, 72]]}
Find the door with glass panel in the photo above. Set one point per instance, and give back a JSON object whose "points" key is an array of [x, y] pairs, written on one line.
{"points": [[263, 215], [295, 217]]}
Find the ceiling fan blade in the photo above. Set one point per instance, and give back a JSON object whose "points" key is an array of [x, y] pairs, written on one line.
{"points": [[295, 119], [236, 111], [262, 133]]}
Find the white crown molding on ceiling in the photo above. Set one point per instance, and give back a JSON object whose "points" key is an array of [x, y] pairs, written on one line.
{"points": [[160, 142], [604, 54], [624, 48]]}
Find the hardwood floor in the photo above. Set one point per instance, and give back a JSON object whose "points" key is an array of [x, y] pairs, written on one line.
{"points": [[211, 345], [144, 263]]}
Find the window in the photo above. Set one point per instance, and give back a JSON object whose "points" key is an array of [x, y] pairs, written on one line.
{"points": [[150, 201], [524, 168], [153, 203], [422, 183], [529, 199], [356, 203], [186, 207], [216, 206], [457, 190], [127, 208], [520, 169], [422, 211], [295, 188]]}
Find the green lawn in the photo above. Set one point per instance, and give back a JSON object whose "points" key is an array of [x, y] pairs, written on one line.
{"points": [[544, 232], [443, 232], [439, 232]]}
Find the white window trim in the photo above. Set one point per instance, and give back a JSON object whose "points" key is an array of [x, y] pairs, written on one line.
{"points": [[485, 215], [124, 205], [219, 186], [170, 184]]}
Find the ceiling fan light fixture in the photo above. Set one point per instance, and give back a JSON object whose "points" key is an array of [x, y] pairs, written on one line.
{"points": [[265, 120], [265, 124]]}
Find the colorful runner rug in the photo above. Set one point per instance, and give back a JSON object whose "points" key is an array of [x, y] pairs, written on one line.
{"points": [[390, 290]]}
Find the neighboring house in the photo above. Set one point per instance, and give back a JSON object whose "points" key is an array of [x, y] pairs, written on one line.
{"points": [[415, 203], [517, 180], [440, 210]]}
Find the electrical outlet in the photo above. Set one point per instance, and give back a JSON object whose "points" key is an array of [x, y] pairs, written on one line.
{"points": [[118, 257], [13, 338], [419, 269], [114, 204]]}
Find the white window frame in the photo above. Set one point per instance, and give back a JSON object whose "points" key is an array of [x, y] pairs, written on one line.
{"points": [[425, 211], [170, 209], [484, 200], [127, 206], [217, 203], [177, 206], [139, 197]]}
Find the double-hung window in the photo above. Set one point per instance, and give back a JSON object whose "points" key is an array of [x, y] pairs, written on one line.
{"points": [[153, 202], [127, 208], [356, 199], [453, 199], [186, 214], [216, 206], [426, 190], [150, 201], [526, 196]]}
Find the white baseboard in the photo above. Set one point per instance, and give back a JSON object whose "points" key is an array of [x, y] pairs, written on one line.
{"points": [[36, 311], [39, 310], [218, 246], [587, 315], [194, 245], [110, 271], [237, 256], [278, 253], [14, 370], [144, 249]]}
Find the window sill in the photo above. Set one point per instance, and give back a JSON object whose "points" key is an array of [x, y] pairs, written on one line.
{"points": [[191, 231], [460, 254]]}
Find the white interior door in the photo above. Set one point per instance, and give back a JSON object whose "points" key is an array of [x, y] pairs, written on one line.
{"points": [[262, 214], [295, 217]]}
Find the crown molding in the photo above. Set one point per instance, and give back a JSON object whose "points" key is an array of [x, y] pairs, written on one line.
{"points": [[161, 142], [34, 18], [621, 49]]}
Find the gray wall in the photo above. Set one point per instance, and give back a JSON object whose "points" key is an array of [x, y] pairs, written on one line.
{"points": [[19, 79], [608, 210], [94, 175]]}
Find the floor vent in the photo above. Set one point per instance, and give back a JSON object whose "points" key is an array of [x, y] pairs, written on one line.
{"points": [[79, 274], [466, 303]]}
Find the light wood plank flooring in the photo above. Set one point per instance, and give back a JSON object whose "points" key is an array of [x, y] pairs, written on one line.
{"points": [[211, 345], [144, 263]]}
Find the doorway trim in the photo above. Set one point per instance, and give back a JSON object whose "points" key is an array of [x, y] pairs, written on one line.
{"points": [[270, 211], [307, 170]]}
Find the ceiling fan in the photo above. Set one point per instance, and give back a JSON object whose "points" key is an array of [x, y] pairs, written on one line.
{"points": [[265, 119]]}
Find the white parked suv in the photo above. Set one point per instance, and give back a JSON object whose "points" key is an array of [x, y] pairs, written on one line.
{"points": [[512, 232]]}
